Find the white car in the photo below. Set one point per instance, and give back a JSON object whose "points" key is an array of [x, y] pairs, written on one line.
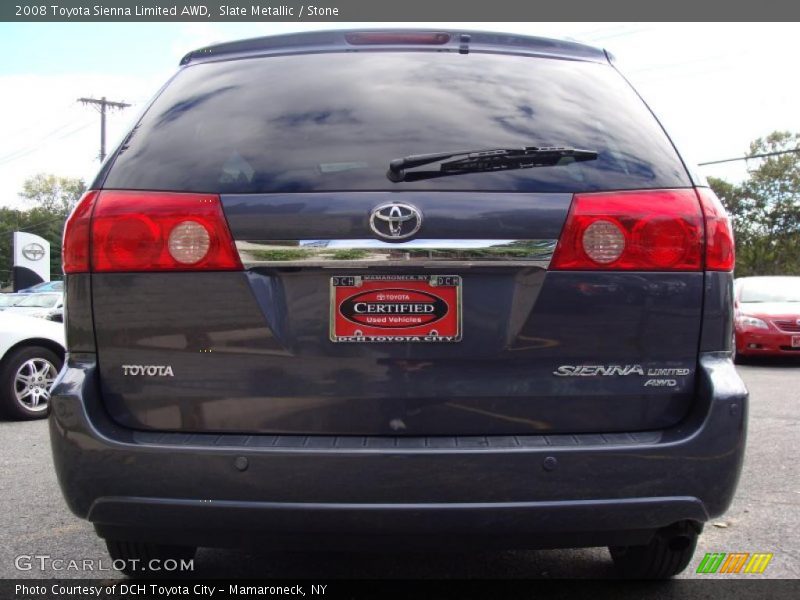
{"points": [[31, 355], [43, 305]]}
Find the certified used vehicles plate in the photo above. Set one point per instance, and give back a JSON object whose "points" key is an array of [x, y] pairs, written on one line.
{"points": [[396, 308], [796, 341]]}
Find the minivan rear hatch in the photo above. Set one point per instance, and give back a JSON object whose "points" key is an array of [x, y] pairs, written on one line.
{"points": [[303, 339]]}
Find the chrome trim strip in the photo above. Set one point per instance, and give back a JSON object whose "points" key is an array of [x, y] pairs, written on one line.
{"points": [[365, 253]]}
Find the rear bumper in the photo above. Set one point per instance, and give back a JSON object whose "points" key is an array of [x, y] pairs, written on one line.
{"points": [[525, 491]]}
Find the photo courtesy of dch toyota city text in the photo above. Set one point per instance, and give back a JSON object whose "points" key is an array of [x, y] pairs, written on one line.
{"points": [[399, 300]]}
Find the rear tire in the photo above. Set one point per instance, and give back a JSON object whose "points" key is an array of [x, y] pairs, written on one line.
{"points": [[669, 553], [26, 376], [137, 557]]}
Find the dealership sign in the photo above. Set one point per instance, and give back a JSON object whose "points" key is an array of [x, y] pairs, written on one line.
{"points": [[31, 259]]}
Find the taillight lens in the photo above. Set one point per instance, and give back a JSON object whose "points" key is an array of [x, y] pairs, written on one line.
{"points": [[189, 242], [649, 230], [603, 241], [77, 236], [148, 231], [720, 254]]}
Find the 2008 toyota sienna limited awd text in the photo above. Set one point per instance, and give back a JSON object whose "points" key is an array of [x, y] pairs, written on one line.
{"points": [[402, 288]]}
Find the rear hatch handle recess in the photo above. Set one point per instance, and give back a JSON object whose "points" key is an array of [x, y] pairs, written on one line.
{"points": [[475, 161]]}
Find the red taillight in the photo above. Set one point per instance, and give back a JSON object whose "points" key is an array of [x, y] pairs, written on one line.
{"points": [[137, 231], [369, 38], [720, 255], [649, 230], [148, 231], [77, 233]]}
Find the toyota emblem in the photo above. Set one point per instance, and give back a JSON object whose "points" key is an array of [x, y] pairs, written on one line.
{"points": [[395, 220]]}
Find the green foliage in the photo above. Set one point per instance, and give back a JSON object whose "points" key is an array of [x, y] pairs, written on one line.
{"points": [[53, 194], [350, 254], [50, 199], [275, 255], [766, 209]]}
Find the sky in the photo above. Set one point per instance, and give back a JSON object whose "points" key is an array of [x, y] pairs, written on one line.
{"points": [[715, 87]]}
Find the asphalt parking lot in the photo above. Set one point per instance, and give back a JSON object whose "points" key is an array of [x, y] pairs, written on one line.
{"points": [[763, 518]]}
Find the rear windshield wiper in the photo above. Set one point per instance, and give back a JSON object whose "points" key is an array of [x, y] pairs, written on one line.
{"points": [[496, 159]]}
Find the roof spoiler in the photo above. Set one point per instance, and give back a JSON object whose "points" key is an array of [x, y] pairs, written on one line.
{"points": [[452, 41]]}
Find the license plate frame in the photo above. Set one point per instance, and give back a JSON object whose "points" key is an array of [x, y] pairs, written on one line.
{"points": [[396, 308], [796, 341]]}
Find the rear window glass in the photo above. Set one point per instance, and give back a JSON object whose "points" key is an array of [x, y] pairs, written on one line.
{"points": [[331, 122]]}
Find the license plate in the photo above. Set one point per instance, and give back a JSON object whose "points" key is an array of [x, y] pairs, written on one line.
{"points": [[796, 341], [396, 308]]}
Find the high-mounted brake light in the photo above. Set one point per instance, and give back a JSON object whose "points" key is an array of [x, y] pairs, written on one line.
{"points": [[377, 38], [720, 252], [649, 230], [148, 231]]}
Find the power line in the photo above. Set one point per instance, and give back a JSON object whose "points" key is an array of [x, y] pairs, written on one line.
{"points": [[104, 105], [36, 225], [41, 139], [30, 128], [23, 152], [765, 155]]}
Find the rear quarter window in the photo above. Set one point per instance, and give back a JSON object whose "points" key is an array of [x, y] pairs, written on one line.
{"points": [[332, 122]]}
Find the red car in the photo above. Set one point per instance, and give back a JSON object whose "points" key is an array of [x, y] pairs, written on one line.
{"points": [[767, 316]]}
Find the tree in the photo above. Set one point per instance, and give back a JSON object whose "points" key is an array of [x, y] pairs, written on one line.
{"points": [[765, 208], [52, 193], [51, 199]]}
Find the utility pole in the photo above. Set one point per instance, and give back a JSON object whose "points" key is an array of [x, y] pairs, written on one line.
{"points": [[102, 105]]}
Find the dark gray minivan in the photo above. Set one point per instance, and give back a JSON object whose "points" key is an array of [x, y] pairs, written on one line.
{"points": [[399, 287]]}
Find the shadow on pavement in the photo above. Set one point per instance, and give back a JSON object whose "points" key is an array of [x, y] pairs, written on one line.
{"points": [[586, 563], [770, 361]]}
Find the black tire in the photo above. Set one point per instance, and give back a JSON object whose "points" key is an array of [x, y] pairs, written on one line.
{"points": [[136, 557], [11, 405], [669, 553]]}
